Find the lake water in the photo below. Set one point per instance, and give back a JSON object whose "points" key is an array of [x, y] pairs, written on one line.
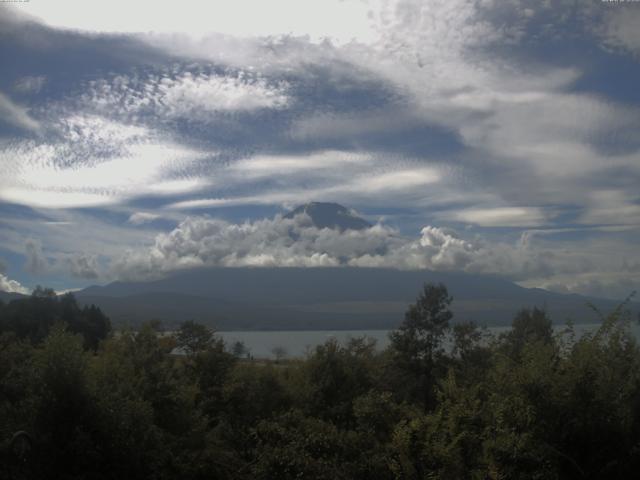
{"points": [[297, 343]]}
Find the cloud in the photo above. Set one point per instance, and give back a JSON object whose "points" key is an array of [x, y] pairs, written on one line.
{"points": [[339, 20], [453, 111], [11, 286], [36, 262], [67, 232], [196, 96], [500, 216], [397, 180], [516, 120], [620, 29], [343, 176], [97, 162], [16, 115], [533, 259], [612, 207], [140, 218], [83, 266], [205, 241], [618, 287], [519, 120], [261, 166], [188, 94], [30, 84], [395, 187]]}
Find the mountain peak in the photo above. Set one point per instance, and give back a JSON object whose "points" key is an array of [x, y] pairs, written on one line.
{"points": [[330, 215]]}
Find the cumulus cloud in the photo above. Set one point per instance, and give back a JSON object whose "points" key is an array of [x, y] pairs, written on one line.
{"points": [[533, 259], [204, 241], [11, 286], [81, 265]]}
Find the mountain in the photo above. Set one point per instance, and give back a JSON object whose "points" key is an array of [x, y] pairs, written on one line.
{"points": [[322, 298], [330, 215], [6, 297]]}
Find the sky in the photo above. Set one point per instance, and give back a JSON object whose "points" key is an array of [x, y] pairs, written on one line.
{"points": [[493, 137]]}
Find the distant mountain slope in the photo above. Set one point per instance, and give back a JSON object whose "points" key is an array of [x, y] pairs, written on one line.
{"points": [[8, 296], [330, 215], [322, 298]]}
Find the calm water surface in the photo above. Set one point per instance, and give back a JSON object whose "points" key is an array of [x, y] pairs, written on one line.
{"points": [[297, 343]]}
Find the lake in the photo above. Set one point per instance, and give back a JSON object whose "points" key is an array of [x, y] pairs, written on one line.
{"points": [[297, 343]]}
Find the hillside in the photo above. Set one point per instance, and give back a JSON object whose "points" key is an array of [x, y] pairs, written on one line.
{"points": [[322, 298]]}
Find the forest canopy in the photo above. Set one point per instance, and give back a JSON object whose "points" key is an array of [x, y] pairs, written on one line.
{"points": [[530, 403]]}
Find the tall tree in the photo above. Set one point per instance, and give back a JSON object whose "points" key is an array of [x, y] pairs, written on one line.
{"points": [[194, 337], [417, 344]]}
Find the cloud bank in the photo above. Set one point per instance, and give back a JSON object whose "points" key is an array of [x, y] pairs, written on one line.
{"points": [[202, 241]]}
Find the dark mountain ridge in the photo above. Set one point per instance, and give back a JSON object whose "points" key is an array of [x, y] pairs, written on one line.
{"points": [[330, 215], [324, 298]]}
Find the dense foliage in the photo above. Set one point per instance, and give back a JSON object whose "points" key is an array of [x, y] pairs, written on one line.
{"points": [[443, 401]]}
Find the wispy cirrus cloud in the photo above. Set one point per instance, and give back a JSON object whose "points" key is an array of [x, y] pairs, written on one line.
{"points": [[29, 84], [16, 115], [501, 216], [140, 218], [96, 161]]}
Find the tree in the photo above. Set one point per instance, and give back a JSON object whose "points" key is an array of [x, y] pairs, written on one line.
{"points": [[252, 393], [425, 323], [417, 344], [64, 415], [334, 375], [33, 317], [471, 354], [194, 337], [239, 349], [466, 337], [529, 326], [42, 292], [279, 352]]}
